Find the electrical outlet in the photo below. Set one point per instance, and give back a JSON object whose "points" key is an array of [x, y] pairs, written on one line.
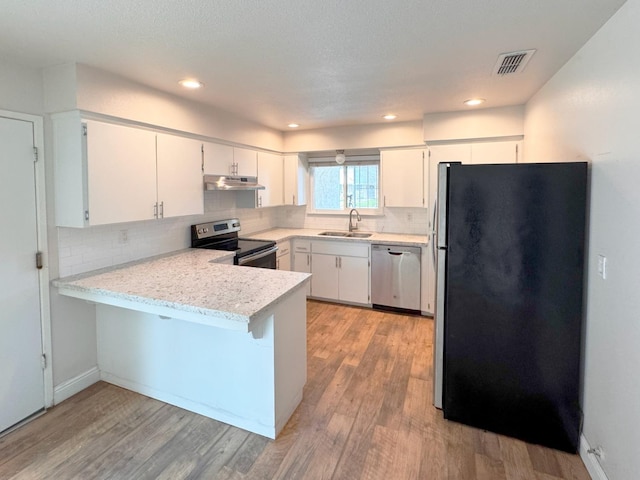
{"points": [[123, 237], [409, 217], [602, 266]]}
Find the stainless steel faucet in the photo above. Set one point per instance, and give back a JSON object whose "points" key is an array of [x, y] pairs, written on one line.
{"points": [[353, 227]]}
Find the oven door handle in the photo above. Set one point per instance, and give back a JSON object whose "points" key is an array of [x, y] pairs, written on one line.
{"points": [[257, 256]]}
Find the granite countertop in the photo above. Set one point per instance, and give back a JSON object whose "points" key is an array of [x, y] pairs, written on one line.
{"points": [[188, 285], [283, 234]]}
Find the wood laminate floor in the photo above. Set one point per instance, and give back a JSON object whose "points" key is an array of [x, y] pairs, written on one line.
{"points": [[366, 414]]}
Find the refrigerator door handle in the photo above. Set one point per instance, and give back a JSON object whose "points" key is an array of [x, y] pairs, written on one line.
{"points": [[433, 233]]}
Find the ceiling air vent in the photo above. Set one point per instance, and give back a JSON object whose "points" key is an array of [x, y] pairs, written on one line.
{"points": [[512, 62]]}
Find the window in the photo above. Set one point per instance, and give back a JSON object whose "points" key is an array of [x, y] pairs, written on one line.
{"points": [[339, 188]]}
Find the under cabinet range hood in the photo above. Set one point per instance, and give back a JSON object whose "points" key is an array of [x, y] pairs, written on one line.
{"points": [[226, 182]]}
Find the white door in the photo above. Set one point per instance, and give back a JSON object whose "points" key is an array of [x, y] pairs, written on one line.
{"points": [[21, 374]]}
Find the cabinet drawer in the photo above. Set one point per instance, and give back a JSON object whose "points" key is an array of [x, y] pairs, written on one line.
{"points": [[303, 246], [283, 248], [347, 249]]}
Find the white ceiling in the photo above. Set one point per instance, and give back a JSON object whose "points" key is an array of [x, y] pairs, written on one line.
{"points": [[315, 62]]}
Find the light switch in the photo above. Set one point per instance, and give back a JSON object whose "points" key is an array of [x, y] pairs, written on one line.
{"points": [[602, 266]]}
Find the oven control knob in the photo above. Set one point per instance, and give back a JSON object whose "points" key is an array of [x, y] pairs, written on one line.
{"points": [[199, 231], [206, 230]]}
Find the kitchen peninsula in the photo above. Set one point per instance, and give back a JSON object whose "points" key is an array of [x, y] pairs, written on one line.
{"points": [[224, 341]]}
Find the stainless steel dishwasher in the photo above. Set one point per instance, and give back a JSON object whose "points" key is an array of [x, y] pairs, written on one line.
{"points": [[395, 277]]}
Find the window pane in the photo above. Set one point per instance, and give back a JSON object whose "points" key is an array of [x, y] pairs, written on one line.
{"points": [[327, 187], [362, 186]]}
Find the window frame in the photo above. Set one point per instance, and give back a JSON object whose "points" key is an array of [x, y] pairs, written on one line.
{"points": [[330, 162]]}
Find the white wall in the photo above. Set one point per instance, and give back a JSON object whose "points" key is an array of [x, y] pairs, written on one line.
{"points": [[20, 89], [474, 124], [392, 134], [589, 111], [78, 86]]}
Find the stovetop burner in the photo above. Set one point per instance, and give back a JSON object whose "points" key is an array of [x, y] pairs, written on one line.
{"points": [[223, 235]]}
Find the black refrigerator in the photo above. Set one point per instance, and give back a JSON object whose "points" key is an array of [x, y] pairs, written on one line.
{"points": [[509, 299]]}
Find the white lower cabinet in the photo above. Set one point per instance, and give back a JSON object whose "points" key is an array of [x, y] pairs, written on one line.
{"points": [[301, 260], [283, 256], [341, 271]]}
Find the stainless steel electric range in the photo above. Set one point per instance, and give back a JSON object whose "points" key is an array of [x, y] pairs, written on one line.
{"points": [[223, 235]]}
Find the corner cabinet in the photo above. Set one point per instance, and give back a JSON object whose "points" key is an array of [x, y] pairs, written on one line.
{"points": [[283, 255], [296, 178], [106, 173], [270, 175], [402, 175], [301, 260], [341, 271]]}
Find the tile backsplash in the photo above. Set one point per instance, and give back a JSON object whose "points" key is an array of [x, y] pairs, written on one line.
{"points": [[84, 249]]}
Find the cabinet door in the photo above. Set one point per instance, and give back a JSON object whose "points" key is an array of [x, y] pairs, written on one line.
{"points": [[283, 262], [354, 279], [296, 176], [121, 173], [246, 162], [179, 166], [217, 159], [402, 175], [495, 152], [324, 279], [271, 176], [301, 262]]}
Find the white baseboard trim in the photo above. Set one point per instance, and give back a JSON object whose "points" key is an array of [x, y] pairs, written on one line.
{"points": [[224, 416], [591, 461], [75, 385]]}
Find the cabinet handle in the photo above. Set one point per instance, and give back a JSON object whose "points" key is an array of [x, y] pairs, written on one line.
{"points": [[293, 197], [307, 259], [384, 201], [155, 210], [162, 209], [336, 262], [340, 261]]}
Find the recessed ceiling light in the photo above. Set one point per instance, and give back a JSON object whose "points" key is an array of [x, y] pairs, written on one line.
{"points": [[390, 116], [472, 102], [190, 83], [293, 125]]}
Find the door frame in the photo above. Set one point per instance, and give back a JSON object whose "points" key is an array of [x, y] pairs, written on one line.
{"points": [[41, 226]]}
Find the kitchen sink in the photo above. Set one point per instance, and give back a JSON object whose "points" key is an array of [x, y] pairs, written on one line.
{"points": [[345, 234]]}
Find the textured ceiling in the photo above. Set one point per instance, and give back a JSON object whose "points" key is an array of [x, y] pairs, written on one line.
{"points": [[318, 63]]}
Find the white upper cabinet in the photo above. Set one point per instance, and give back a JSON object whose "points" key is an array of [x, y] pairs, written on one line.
{"points": [[121, 171], [296, 178], [107, 173], [217, 159], [496, 152], [222, 159], [246, 162], [402, 177], [270, 175], [179, 169]]}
